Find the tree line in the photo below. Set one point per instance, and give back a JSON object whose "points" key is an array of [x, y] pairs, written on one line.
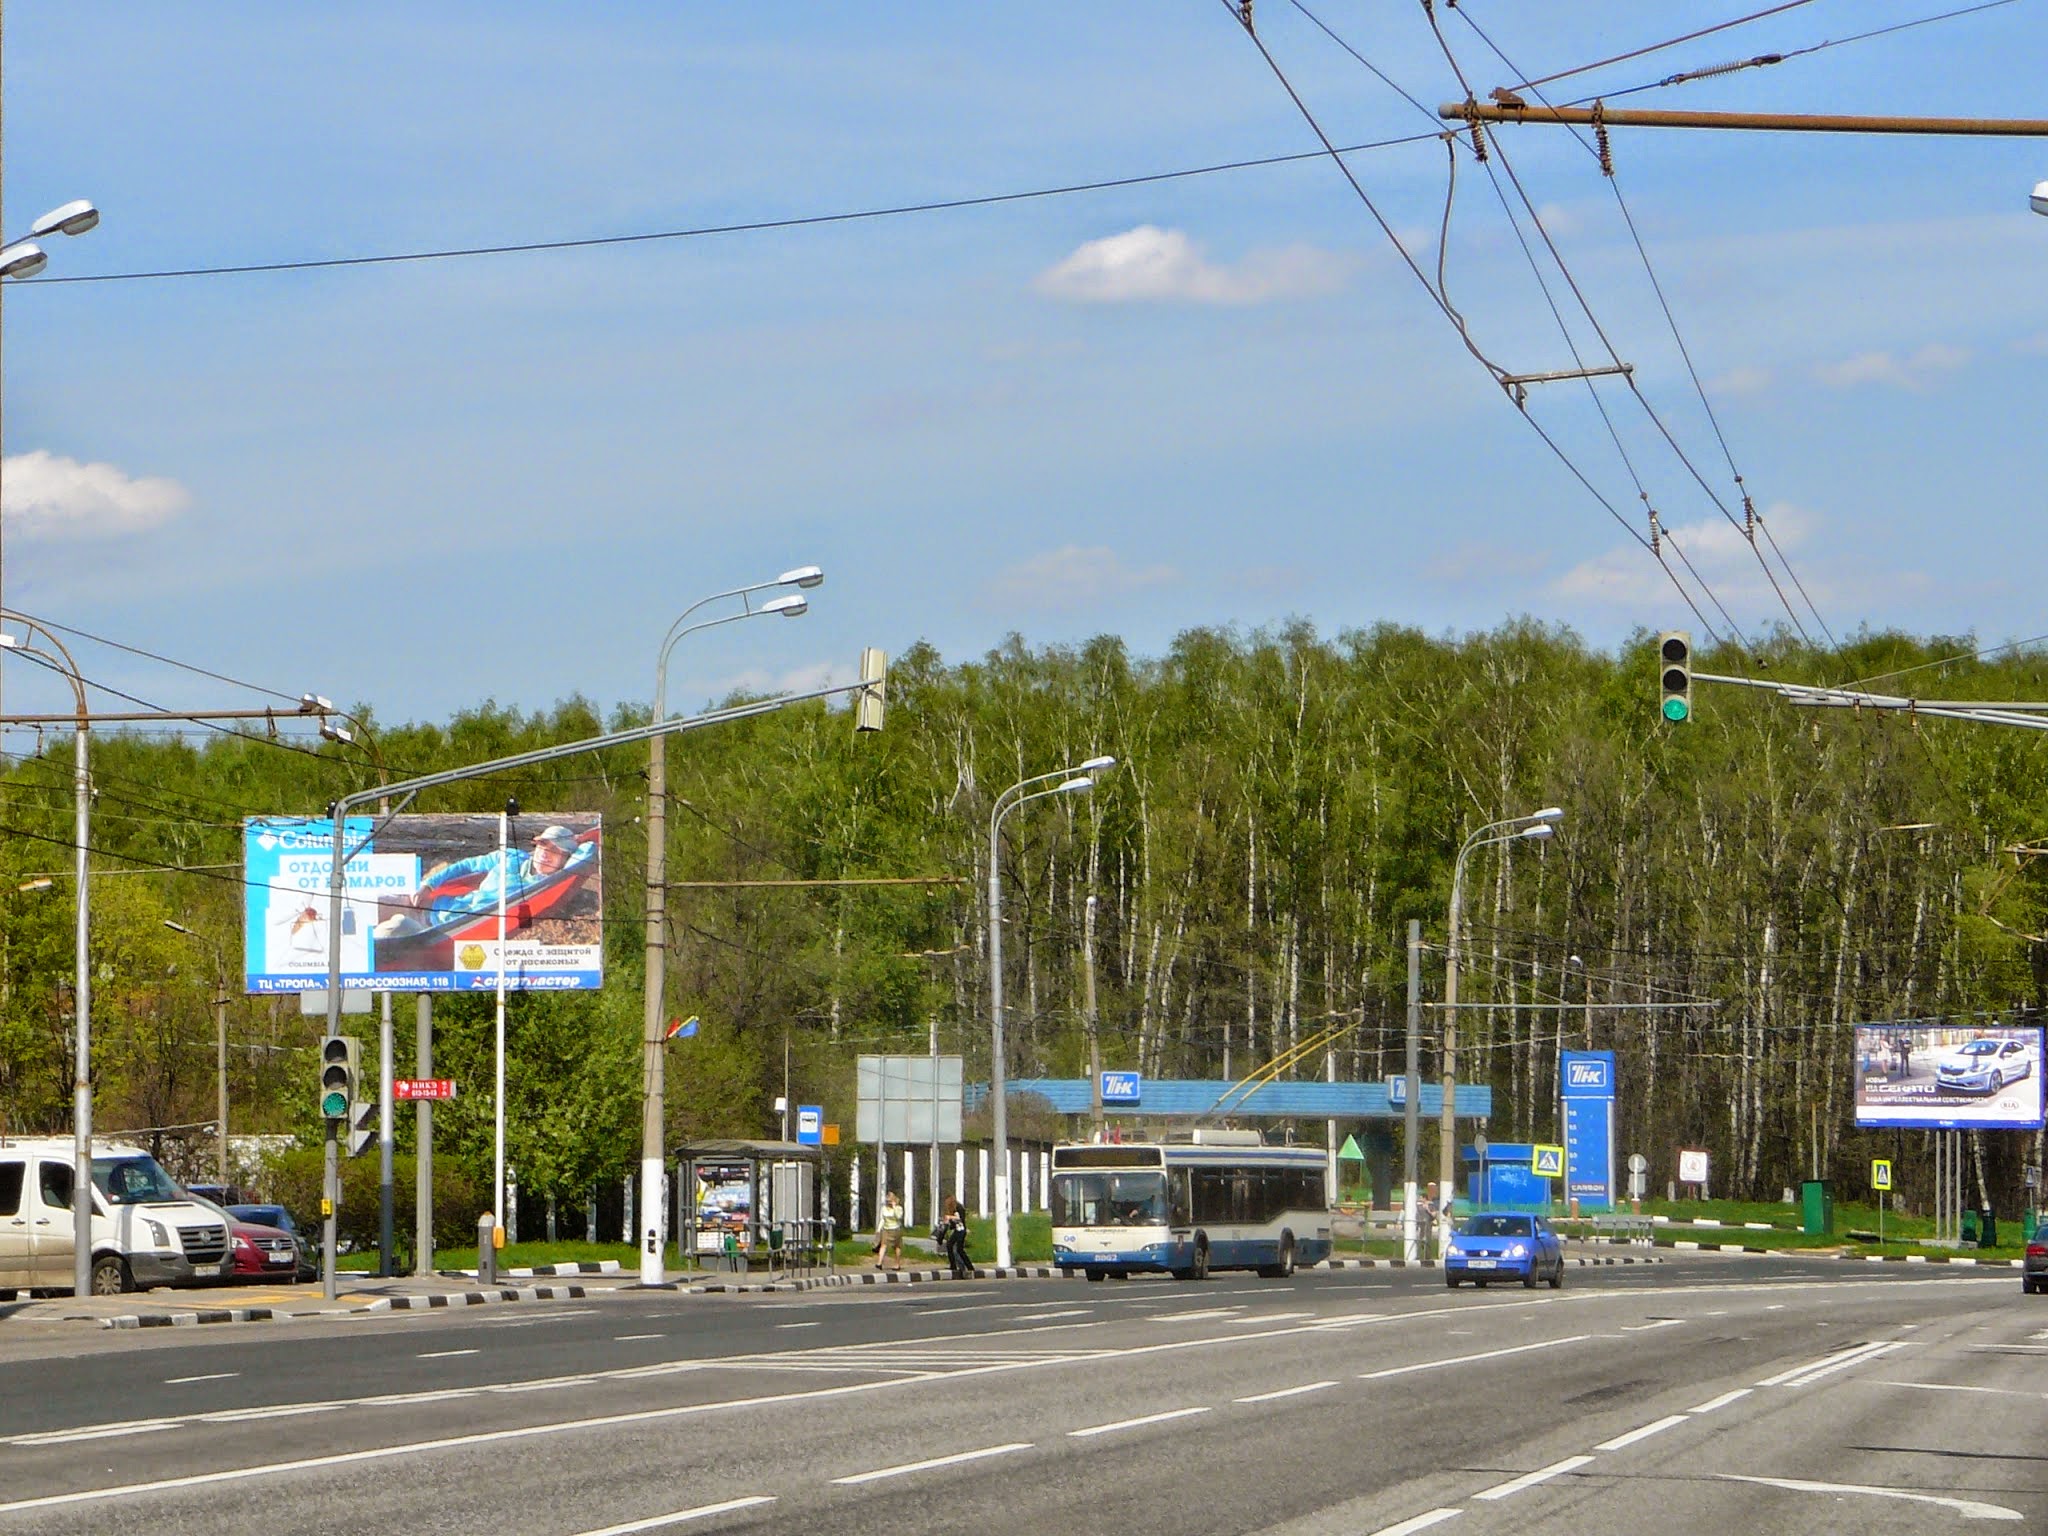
{"points": [[1752, 883]]}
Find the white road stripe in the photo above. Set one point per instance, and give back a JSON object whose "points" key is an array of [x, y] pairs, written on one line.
{"points": [[1969, 1509], [1943, 1386], [1662, 1322], [1192, 1317], [283, 1411], [1489, 1354], [630, 1338], [1531, 1479], [179, 1381], [1041, 1317], [1722, 1401], [1267, 1397], [110, 1432], [799, 1325], [937, 1461], [1644, 1433], [1421, 1522], [1150, 1418], [656, 1522], [446, 1354], [1814, 1370]]}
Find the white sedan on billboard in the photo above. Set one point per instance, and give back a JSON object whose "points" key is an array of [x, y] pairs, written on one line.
{"points": [[1983, 1066]]}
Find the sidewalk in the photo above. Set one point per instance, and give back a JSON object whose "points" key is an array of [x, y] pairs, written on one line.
{"points": [[356, 1294]]}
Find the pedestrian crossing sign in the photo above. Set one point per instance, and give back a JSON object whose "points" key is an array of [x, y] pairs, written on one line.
{"points": [[1880, 1173], [1547, 1162]]}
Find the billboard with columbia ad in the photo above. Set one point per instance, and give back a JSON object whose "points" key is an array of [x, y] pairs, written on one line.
{"points": [[420, 903], [1949, 1076]]}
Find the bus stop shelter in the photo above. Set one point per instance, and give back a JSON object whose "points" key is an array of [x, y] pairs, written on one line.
{"points": [[745, 1204]]}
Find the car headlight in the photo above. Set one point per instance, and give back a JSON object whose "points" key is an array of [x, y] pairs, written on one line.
{"points": [[157, 1234], [1518, 1250]]}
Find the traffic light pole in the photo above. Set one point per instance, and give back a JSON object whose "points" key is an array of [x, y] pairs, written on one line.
{"points": [[867, 714]]}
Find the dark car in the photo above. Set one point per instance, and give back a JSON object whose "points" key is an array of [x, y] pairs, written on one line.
{"points": [[2034, 1267], [1504, 1245]]}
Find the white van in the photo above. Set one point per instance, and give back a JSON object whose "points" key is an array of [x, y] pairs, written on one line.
{"points": [[145, 1230]]}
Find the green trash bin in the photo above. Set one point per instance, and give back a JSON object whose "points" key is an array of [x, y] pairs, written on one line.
{"points": [[1817, 1207]]}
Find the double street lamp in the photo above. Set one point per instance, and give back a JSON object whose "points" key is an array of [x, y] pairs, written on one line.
{"points": [[1075, 780], [791, 604], [1533, 828]]}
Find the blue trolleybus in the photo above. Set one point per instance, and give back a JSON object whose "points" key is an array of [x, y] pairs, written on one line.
{"points": [[1220, 1200]]}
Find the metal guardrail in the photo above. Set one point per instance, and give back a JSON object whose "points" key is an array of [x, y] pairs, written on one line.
{"points": [[1620, 1227]]}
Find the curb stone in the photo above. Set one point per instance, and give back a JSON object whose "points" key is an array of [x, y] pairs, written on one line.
{"points": [[474, 1298]]}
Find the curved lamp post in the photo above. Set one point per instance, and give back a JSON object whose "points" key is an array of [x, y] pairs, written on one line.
{"points": [[1075, 780], [81, 1091], [652, 1040], [1532, 828]]}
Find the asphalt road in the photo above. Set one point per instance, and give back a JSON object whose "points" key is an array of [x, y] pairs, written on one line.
{"points": [[1710, 1393]]}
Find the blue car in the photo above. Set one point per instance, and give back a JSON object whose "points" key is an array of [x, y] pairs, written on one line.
{"points": [[1504, 1246]]}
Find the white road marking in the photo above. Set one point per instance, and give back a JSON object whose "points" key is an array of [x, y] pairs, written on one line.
{"points": [[1722, 1401], [1531, 1479], [1421, 1522], [937, 1461], [1644, 1433], [1277, 1317], [446, 1354], [1969, 1509], [1813, 1370], [283, 1411], [1203, 1316], [1489, 1354], [1662, 1322], [1040, 1317], [179, 1381], [656, 1522], [630, 1338], [1267, 1397], [1150, 1418], [800, 1325], [110, 1432]]}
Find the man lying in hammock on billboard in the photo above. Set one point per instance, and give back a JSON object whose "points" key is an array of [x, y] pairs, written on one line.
{"points": [[460, 900]]}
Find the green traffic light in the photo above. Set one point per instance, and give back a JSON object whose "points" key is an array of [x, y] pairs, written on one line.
{"points": [[334, 1106], [1676, 710]]}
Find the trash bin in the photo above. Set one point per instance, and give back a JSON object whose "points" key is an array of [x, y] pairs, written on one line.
{"points": [[1816, 1207], [1969, 1231], [1987, 1228]]}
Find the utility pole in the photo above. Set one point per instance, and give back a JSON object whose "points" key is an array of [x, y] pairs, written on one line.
{"points": [[1508, 108], [1411, 1091], [1088, 1008]]}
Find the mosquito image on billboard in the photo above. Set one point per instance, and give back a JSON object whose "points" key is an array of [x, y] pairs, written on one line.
{"points": [[1217, 1200]]}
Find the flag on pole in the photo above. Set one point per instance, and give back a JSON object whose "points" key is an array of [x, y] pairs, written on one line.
{"points": [[682, 1029]]}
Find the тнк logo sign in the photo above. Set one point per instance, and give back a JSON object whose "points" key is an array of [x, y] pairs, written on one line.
{"points": [[1587, 1074]]}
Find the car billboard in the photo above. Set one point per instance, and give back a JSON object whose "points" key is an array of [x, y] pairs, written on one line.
{"points": [[1948, 1076], [420, 902]]}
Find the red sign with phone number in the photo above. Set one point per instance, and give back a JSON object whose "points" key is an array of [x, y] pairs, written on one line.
{"points": [[423, 1088]]}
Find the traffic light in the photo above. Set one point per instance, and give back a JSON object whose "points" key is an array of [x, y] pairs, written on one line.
{"points": [[1674, 653], [874, 672], [340, 1070], [362, 1128]]}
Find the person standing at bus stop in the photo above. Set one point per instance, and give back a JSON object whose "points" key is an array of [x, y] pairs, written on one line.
{"points": [[889, 1233]]}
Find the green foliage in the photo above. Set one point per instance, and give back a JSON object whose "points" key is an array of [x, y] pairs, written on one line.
{"points": [[1284, 803]]}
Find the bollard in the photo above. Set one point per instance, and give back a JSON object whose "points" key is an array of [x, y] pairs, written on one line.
{"points": [[486, 1249]]}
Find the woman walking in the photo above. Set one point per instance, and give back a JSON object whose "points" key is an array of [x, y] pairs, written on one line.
{"points": [[952, 1236]]}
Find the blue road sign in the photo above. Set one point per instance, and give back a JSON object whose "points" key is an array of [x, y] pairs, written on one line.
{"points": [[810, 1125], [1397, 1091], [1120, 1087]]}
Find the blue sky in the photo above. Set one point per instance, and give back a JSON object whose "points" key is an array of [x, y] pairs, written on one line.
{"points": [[1219, 399]]}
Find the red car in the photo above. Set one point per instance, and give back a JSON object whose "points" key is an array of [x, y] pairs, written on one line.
{"points": [[266, 1251]]}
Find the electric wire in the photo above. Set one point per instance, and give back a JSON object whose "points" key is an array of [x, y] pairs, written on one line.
{"points": [[751, 226], [1637, 53], [1331, 152]]}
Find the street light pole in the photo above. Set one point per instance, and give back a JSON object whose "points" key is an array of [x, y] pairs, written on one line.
{"points": [[220, 1044], [1077, 779], [81, 989], [653, 1039], [1533, 828]]}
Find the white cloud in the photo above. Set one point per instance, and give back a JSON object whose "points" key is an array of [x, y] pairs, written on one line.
{"points": [[1075, 577], [1628, 577], [1153, 265], [1742, 380], [1915, 371], [49, 497]]}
